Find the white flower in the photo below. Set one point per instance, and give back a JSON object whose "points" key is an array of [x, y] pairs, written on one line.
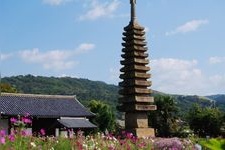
{"points": [[85, 146], [114, 139], [33, 144]]}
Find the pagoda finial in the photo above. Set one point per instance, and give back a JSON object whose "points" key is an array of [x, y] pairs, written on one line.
{"points": [[133, 11]]}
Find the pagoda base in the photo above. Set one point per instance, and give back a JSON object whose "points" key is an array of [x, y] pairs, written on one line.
{"points": [[142, 132]]}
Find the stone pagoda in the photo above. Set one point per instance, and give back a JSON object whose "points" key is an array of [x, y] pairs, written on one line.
{"points": [[135, 99]]}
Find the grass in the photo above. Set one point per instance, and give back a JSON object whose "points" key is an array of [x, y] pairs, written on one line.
{"points": [[213, 144]]}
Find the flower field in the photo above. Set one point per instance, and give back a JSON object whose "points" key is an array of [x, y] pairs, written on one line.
{"points": [[20, 139]]}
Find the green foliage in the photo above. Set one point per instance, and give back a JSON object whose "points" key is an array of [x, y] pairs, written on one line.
{"points": [[7, 88], [63, 144], [213, 144], [105, 118], [186, 102], [84, 89], [205, 121], [219, 101], [164, 118]]}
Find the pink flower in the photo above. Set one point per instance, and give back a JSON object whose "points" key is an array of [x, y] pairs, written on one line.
{"points": [[2, 133], [23, 133], [129, 135], [2, 140], [71, 133], [14, 132], [26, 120], [26, 132], [42, 131], [12, 137], [13, 120]]}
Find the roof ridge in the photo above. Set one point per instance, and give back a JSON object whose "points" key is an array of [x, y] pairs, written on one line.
{"points": [[38, 95]]}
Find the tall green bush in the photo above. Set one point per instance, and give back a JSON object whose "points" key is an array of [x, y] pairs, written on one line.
{"points": [[164, 118], [105, 118], [205, 121]]}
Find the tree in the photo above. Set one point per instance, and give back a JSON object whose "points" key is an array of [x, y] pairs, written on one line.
{"points": [[7, 88], [105, 118], [205, 121], [164, 118]]}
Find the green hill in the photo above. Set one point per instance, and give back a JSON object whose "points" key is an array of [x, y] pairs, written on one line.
{"points": [[219, 99], [86, 90], [186, 102]]}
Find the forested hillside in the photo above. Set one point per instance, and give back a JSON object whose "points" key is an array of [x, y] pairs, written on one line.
{"points": [[87, 90], [220, 100], [84, 89], [186, 102]]}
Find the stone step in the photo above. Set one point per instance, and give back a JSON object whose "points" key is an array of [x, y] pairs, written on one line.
{"points": [[134, 61], [134, 32], [133, 83], [134, 42], [142, 132], [135, 68], [130, 91], [136, 107], [135, 75], [134, 48], [132, 99], [132, 26], [133, 37], [134, 54]]}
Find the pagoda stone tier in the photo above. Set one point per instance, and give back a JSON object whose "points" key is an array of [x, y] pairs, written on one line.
{"points": [[134, 92], [135, 99]]}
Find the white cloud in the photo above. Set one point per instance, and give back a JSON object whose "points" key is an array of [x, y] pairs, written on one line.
{"points": [[184, 77], [84, 48], [176, 76], [5, 56], [51, 60], [60, 65], [217, 80], [190, 26], [55, 2], [98, 10], [55, 59], [216, 60]]}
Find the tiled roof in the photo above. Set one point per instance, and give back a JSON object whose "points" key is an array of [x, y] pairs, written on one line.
{"points": [[76, 123], [42, 105]]}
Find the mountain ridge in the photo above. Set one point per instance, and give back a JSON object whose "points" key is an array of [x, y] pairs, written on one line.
{"points": [[86, 90]]}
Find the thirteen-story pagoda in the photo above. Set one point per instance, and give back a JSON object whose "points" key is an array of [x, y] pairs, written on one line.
{"points": [[135, 99]]}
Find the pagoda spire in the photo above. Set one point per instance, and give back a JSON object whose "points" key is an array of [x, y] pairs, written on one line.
{"points": [[133, 10]]}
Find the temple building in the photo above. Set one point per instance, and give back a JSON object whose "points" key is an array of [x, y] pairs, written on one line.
{"points": [[135, 99], [56, 114]]}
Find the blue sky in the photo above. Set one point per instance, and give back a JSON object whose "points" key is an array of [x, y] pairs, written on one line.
{"points": [[82, 38]]}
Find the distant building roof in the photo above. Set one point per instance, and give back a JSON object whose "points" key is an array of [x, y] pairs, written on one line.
{"points": [[76, 123], [53, 106]]}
